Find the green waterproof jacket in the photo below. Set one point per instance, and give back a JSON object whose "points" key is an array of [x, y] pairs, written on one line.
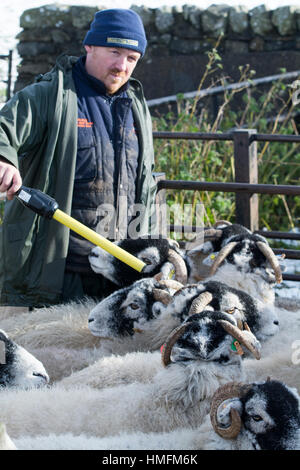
{"points": [[38, 134]]}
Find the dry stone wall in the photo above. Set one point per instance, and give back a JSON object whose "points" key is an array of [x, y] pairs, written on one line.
{"points": [[178, 39]]}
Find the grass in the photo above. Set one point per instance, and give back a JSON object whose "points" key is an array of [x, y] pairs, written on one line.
{"points": [[269, 112]]}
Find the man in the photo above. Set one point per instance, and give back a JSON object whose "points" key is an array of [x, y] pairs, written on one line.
{"points": [[82, 134]]}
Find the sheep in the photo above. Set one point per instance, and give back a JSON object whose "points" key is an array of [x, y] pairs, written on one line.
{"points": [[60, 336], [277, 358], [136, 318], [197, 358], [114, 317], [19, 368], [242, 259], [243, 416]]}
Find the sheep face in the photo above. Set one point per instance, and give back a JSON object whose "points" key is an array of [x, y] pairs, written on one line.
{"points": [[205, 339], [247, 258], [127, 311], [153, 252], [20, 369], [262, 322], [250, 253], [271, 416]]}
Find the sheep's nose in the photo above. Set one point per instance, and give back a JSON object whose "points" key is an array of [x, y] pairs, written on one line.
{"points": [[90, 320], [276, 322]]}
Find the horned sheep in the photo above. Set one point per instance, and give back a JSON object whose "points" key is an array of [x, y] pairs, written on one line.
{"points": [[198, 357], [243, 416], [134, 318]]}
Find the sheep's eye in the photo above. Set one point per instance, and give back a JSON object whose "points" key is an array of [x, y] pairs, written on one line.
{"points": [[134, 306], [147, 261], [257, 418], [231, 310]]}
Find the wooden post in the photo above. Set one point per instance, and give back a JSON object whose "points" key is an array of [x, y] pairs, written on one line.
{"points": [[245, 161], [161, 206]]}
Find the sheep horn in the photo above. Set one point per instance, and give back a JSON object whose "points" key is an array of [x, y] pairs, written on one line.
{"points": [[212, 233], [162, 295], [221, 256], [269, 254], [229, 390], [170, 341], [179, 265], [200, 302], [240, 336], [222, 222], [171, 283]]}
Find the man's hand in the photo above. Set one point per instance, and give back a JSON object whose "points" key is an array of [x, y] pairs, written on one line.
{"points": [[10, 179]]}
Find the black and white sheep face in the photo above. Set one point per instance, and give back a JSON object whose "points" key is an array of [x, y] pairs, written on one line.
{"points": [[261, 319], [247, 258], [263, 322], [249, 253], [127, 311], [153, 252], [271, 416], [18, 368], [205, 339]]}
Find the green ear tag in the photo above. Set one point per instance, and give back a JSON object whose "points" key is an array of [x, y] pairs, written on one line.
{"points": [[233, 346]]}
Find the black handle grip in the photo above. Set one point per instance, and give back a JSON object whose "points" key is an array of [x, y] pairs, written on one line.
{"points": [[37, 201]]}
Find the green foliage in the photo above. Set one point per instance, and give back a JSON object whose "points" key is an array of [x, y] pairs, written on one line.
{"points": [[269, 111]]}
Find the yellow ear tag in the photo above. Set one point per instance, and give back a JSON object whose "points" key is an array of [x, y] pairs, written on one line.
{"points": [[171, 274], [212, 256]]}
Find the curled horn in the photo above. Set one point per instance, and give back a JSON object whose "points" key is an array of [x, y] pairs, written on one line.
{"points": [[170, 341], [229, 390], [269, 254], [221, 256], [162, 295], [222, 222], [179, 265], [215, 232], [240, 336], [200, 302], [212, 233], [171, 283]]}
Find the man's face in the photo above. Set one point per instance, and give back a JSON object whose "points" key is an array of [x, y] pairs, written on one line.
{"points": [[112, 65]]}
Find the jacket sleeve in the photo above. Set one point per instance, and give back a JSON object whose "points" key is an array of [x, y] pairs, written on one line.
{"points": [[23, 122]]}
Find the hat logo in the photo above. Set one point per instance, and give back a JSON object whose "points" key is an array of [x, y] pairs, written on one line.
{"points": [[129, 42]]}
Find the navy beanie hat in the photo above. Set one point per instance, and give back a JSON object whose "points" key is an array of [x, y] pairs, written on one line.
{"points": [[117, 27]]}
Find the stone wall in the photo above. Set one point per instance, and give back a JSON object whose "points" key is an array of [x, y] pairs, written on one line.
{"points": [[178, 39]]}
